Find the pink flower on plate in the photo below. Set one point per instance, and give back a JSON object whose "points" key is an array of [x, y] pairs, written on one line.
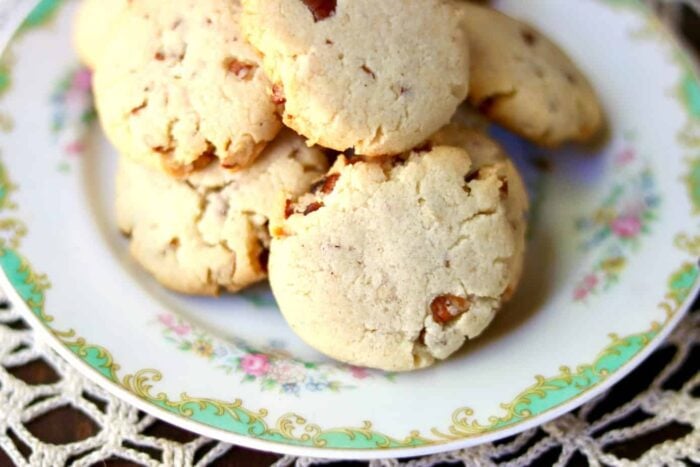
{"points": [[82, 80], [580, 293], [584, 288], [255, 364], [626, 226], [171, 323], [166, 319], [590, 281], [74, 147], [359, 372], [626, 156], [287, 372]]}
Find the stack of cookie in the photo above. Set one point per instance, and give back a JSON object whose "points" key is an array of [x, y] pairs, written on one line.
{"points": [[228, 114]]}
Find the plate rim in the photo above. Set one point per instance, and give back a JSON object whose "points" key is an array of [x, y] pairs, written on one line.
{"points": [[51, 337]]}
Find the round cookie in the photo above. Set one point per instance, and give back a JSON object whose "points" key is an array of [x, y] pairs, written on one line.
{"points": [[179, 90], [209, 231], [394, 264], [522, 80], [379, 77], [94, 21]]}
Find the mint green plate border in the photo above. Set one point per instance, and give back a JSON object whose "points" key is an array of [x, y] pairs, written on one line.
{"points": [[546, 399]]}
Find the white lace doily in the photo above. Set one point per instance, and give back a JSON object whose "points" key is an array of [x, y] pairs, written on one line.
{"points": [[657, 407]]}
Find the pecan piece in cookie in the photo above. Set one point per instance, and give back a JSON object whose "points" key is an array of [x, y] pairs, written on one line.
{"points": [[243, 70], [326, 184], [445, 308], [278, 95], [288, 209], [321, 9], [369, 71], [179, 171], [303, 206], [313, 207]]}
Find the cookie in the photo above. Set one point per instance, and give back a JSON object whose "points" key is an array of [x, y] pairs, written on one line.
{"points": [[94, 21], [379, 77], [181, 88], [522, 80], [208, 232], [394, 264]]}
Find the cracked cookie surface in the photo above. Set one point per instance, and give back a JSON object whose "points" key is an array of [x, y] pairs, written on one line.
{"points": [[394, 263], [209, 232], [179, 90], [524, 81], [379, 77]]}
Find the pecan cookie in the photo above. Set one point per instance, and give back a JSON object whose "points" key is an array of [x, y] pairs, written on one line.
{"points": [[522, 80], [379, 77], [210, 231], [394, 263], [181, 88], [94, 21]]}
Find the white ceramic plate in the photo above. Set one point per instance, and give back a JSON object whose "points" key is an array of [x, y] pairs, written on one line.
{"points": [[611, 267]]}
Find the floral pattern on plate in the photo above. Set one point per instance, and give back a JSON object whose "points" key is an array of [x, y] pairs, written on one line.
{"points": [[72, 112], [273, 369], [617, 226]]}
